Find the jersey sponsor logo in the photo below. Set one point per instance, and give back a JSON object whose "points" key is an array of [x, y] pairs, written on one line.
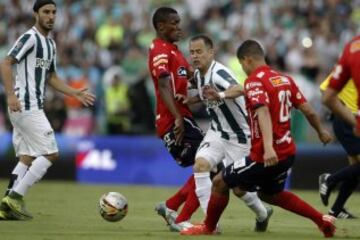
{"points": [[182, 72], [253, 84], [355, 46], [160, 56], [160, 61], [279, 81], [43, 63], [254, 92]]}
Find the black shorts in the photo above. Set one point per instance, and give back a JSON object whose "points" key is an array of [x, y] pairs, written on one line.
{"points": [[184, 154], [345, 135], [255, 177]]}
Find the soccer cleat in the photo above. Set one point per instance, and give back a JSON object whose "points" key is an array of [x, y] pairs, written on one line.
{"points": [[200, 229], [343, 214], [261, 226], [178, 227], [168, 214], [328, 227], [17, 206], [324, 189]]}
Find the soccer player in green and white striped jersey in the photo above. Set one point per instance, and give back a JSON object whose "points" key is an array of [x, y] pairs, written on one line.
{"points": [[228, 138], [34, 55]]}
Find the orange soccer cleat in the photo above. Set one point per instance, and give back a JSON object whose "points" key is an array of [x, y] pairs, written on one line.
{"points": [[199, 229]]}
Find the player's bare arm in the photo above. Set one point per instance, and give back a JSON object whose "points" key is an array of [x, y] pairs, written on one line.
{"points": [[83, 95], [169, 100], [232, 92], [7, 76], [314, 120], [264, 118], [331, 100], [187, 100]]}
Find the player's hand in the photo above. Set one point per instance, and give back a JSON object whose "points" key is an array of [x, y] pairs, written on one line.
{"points": [[85, 97], [179, 130], [270, 157], [14, 103], [325, 137], [210, 93], [181, 98]]}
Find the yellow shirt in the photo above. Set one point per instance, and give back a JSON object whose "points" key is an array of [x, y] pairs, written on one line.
{"points": [[348, 95]]}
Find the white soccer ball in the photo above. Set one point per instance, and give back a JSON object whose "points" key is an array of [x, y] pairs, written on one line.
{"points": [[113, 206]]}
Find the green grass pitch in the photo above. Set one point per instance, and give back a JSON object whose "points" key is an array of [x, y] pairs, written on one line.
{"points": [[65, 210]]}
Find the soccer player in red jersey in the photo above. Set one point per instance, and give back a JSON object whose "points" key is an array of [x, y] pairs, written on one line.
{"points": [[347, 67], [174, 123], [270, 97]]}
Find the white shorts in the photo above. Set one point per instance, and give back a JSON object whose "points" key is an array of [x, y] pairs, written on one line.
{"points": [[215, 149], [32, 135]]}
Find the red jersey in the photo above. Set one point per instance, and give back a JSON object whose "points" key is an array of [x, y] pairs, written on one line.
{"points": [[266, 87], [348, 67], [165, 59]]}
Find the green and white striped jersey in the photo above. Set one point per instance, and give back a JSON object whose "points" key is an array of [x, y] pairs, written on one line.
{"points": [[36, 58], [228, 116]]}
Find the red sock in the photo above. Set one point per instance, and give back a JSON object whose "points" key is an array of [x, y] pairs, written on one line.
{"points": [[179, 198], [190, 206], [293, 203], [216, 206]]}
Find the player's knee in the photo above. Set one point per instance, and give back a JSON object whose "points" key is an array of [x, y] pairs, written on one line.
{"points": [[52, 157], [239, 192], [201, 165]]}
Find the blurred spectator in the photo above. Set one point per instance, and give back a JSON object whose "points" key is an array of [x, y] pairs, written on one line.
{"points": [[117, 107]]}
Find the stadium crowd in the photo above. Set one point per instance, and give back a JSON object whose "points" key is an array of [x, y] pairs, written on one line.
{"points": [[104, 44]]}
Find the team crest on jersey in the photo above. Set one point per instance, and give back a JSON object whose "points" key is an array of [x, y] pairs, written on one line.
{"points": [[182, 72], [18, 46], [279, 81]]}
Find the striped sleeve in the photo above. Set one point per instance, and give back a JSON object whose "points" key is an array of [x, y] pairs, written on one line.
{"points": [[53, 67], [22, 46], [224, 79]]}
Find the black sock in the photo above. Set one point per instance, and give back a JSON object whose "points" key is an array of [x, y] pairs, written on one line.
{"points": [[346, 189], [12, 180], [347, 173]]}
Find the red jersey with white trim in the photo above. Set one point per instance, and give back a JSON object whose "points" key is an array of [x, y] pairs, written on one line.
{"points": [[165, 59], [348, 67], [267, 87]]}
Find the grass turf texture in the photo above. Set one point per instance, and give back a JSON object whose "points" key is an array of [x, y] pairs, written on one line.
{"points": [[65, 210]]}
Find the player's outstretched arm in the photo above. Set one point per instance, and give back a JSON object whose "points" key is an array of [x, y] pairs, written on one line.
{"points": [[315, 122], [264, 118], [7, 76], [83, 95], [232, 92], [187, 100]]}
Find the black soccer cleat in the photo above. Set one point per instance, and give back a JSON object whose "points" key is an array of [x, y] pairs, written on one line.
{"points": [[324, 189], [343, 214]]}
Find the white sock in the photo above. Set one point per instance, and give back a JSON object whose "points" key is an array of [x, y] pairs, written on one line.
{"points": [[19, 171], [36, 171], [254, 203], [203, 188]]}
